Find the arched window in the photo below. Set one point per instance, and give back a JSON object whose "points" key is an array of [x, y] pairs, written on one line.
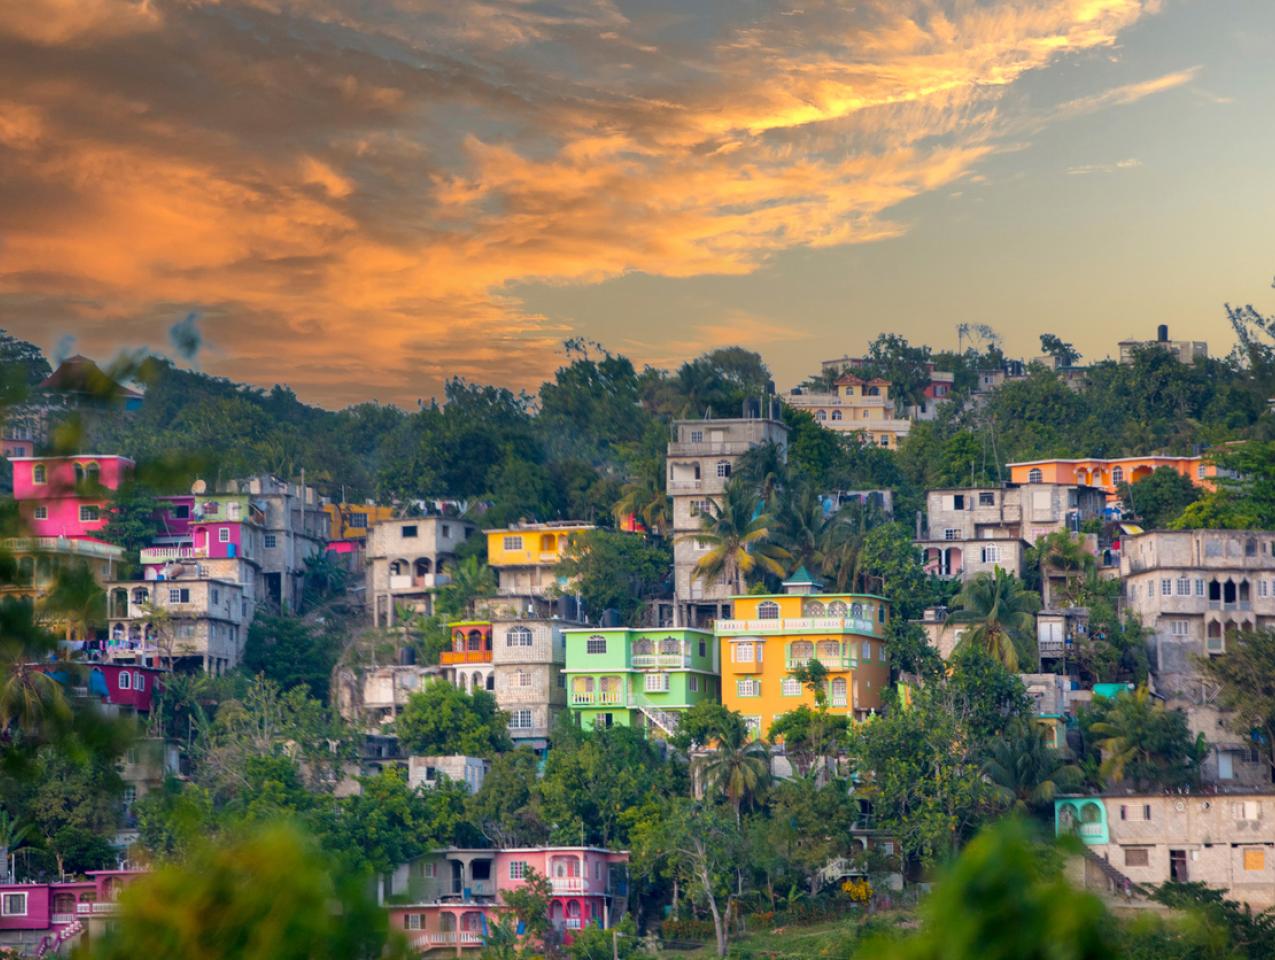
{"points": [[838, 693], [812, 608], [836, 414], [117, 632], [398, 568], [856, 610], [768, 610], [475, 640], [39, 474], [79, 473], [829, 651], [1034, 475], [800, 652], [140, 596], [1117, 474], [518, 637], [873, 391], [670, 646], [93, 473], [643, 647], [820, 416], [423, 566], [837, 608]]}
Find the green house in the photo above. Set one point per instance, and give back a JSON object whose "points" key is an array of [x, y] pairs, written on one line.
{"points": [[1085, 817], [639, 677]]}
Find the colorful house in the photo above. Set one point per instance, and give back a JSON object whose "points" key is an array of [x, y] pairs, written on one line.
{"points": [[857, 405], [639, 677], [468, 663], [1108, 474], [119, 688], [448, 900], [67, 496], [43, 918], [777, 634], [351, 521], [524, 555]]}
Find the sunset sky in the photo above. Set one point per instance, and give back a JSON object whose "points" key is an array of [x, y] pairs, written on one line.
{"points": [[362, 199]]}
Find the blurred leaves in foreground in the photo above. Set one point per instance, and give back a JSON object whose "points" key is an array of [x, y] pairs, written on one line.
{"points": [[268, 894]]}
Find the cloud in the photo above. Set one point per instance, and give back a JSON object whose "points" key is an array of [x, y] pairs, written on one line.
{"points": [[1080, 170], [346, 192]]}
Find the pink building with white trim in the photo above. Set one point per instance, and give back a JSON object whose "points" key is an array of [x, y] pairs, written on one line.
{"points": [[40, 919], [451, 897], [67, 496]]}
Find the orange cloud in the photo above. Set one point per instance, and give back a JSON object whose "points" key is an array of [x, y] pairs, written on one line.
{"points": [[348, 191]]}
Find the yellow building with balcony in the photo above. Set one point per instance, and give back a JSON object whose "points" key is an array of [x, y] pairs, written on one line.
{"points": [[351, 521], [524, 555], [776, 634], [856, 406]]}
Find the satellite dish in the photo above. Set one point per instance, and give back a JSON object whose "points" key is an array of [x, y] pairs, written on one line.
{"points": [[199, 487]]}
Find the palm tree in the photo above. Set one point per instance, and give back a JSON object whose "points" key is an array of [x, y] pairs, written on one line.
{"points": [[31, 700], [12, 833], [1147, 741], [738, 768], [843, 537], [470, 580], [1062, 554], [803, 527], [1001, 613], [764, 468], [644, 496], [1025, 772], [740, 539], [76, 601]]}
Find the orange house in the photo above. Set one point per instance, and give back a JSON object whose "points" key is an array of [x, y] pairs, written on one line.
{"points": [[1110, 473]]}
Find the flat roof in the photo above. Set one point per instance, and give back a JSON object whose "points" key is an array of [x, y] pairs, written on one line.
{"points": [[804, 596], [1150, 456]]}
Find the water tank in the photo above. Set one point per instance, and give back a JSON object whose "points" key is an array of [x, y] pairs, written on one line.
{"points": [[1162, 333]]}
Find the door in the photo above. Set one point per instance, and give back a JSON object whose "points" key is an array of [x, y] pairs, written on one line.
{"points": [[1225, 765], [1177, 866]]}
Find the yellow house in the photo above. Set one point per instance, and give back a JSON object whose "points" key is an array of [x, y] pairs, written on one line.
{"points": [[524, 555], [775, 634], [857, 406], [350, 521]]}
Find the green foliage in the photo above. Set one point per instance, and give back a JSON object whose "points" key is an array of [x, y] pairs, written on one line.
{"points": [[1245, 498], [442, 719], [132, 519], [1159, 497], [616, 571], [291, 651], [1245, 679], [809, 736], [740, 537], [737, 768], [269, 895], [1000, 611], [470, 580], [705, 722], [1026, 772], [530, 903], [1141, 742], [506, 808], [1003, 898], [1245, 933], [1064, 354]]}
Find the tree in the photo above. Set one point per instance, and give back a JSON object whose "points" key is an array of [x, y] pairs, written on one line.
{"points": [[1159, 497], [841, 550], [76, 601], [891, 567], [1064, 354], [21, 361], [1000, 611], [530, 904], [707, 721], [291, 652], [1004, 897], [1245, 678], [1143, 742], [505, 809], [325, 578], [443, 719], [738, 768], [132, 518], [1061, 555], [74, 801], [470, 580], [740, 539], [277, 898], [1026, 773], [644, 495], [615, 571], [809, 736], [1245, 497]]}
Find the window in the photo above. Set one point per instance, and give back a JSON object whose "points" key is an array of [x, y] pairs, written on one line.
{"points": [[520, 720], [657, 683], [518, 637], [697, 436], [447, 530], [357, 521], [1034, 475], [1166, 588], [216, 595], [1184, 587], [223, 535], [768, 610], [821, 416], [1261, 588], [1178, 628], [1117, 476], [595, 645], [698, 506], [429, 870], [752, 726], [513, 543], [1199, 588], [723, 468], [42, 513], [13, 905], [413, 921], [867, 650], [89, 513], [408, 532], [139, 681], [39, 474], [745, 652], [790, 687], [958, 501], [517, 869], [126, 680], [1254, 858], [1246, 810], [692, 683], [1199, 471], [951, 534], [179, 596], [991, 554], [130, 795], [1137, 856], [986, 499], [271, 541], [836, 414], [748, 688], [1135, 811], [703, 648]]}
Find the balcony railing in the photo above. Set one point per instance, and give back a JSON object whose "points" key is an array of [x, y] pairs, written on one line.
{"points": [[62, 917], [569, 884], [832, 663], [97, 907], [476, 888], [465, 656], [572, 923], [466, 938], [422, 581], [600, 699], [706, 449], [165, 554], [798, 624], [661, 660], [1089, 829]]}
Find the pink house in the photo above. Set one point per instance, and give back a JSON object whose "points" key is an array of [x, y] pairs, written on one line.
{"points": [[132, 688], [38, 918], [67, 496], [449, 899]]}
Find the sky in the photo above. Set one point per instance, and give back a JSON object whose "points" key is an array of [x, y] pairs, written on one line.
{"points": [[362, 199]]}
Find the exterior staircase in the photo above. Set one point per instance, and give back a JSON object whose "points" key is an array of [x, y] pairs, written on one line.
{"points": [[665, 720], [1120, 884]]}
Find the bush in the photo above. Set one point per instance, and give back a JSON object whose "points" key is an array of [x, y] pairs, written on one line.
{"points": [[687, 930]]}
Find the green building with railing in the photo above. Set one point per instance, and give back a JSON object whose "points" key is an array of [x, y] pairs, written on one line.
{"points": [[639, 677]]}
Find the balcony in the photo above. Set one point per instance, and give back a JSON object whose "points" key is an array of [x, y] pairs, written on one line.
{"points": [[572, 923], [600, 699], [423, 581], [475, 888], [464, 656], [685, 486], [99, 908], [832, 663], [444, 938], [746, 666], [665, 660], [565, 885], [62, 918], [707, 449], [168, 554], [798, 625]]}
